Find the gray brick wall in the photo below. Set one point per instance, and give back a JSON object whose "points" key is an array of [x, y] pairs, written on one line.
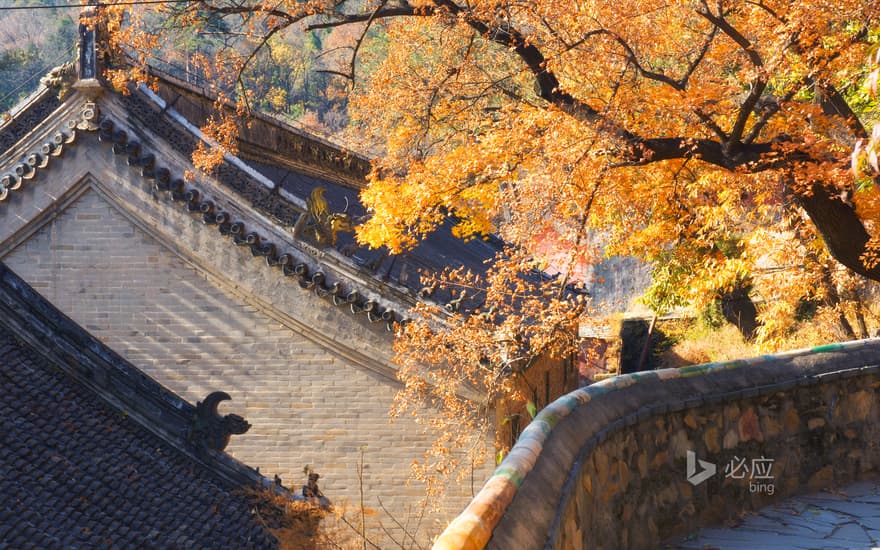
{"points": [[307, 404]]}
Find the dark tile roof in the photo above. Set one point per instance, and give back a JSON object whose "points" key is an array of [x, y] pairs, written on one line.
{"points": [[24, 116], [77, 471], [148, 115], [274, 147], [439, 250], [266, 138], [74, 472], [339, 172]]}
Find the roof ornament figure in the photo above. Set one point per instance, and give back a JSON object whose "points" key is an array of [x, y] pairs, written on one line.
{"points": [[60, 78], [311, 493], [324, 223], [310, 489], [209, 430]]}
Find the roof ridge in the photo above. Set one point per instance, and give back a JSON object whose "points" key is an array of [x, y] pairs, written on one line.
{"points": [[301, 131]]}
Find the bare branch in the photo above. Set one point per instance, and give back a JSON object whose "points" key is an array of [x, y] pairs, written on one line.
{"points": [[768, 113], [683, 81], [360, 40], [631, 57], [725, 27], [707, 120], [337, 73], [382, 13], [758, 85], [768, 9]]}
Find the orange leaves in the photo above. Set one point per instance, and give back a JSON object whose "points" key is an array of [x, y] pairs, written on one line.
{"points": [[871, 256], [221, 134], [471, 360], [469, 132]]}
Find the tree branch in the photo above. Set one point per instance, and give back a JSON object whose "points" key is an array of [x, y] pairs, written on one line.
{"points": [[707, 120], [758, 85], [383, 13], [836, 220], [841, 228]]}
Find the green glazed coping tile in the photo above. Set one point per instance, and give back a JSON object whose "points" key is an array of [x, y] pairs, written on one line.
{"points": [[552, 419], [646, 375], [694, 370], [827, 347], [513, 475], [565, 404], [736, 364], [595, 391]]}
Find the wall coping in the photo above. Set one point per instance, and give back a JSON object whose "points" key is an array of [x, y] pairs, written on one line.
{"points": [[473, 528]]}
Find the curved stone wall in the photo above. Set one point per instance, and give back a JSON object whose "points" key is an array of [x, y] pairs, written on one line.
{"points": [[606, 468]]}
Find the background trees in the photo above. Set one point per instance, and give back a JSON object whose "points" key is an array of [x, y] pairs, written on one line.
{"points": [[30, 46]]}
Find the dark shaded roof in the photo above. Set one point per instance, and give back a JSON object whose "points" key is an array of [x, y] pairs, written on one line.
{"points": [[145, 114], [26, 115], [439, 250], [75, 472], [94, 453], [297, 163], [266, 138]]}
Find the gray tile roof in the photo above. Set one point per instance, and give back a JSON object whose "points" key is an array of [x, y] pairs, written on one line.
{"points": [[438, 251], [76, 473]]}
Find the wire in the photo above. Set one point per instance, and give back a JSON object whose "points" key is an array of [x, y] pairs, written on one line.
{"points": [[40, 72], [62, 6]]}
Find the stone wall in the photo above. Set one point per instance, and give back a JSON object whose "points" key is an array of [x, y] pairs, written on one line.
{"points": [[632, 491], [607, 466]]}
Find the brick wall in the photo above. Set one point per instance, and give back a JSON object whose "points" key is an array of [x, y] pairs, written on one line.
{"points": [[307, 404]]}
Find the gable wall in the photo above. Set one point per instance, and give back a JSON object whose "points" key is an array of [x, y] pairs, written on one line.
{"points": [[172, 322]]}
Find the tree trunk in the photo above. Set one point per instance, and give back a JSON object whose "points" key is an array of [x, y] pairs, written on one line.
{"points": [[832, 300], [739, 310], [840, 227]]}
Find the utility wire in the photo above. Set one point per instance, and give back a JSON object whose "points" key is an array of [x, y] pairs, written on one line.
{"points": [[40, 72], [62, 6]]}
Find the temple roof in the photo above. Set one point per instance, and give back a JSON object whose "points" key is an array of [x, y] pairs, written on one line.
{"points": [[297, 163], [275, 183], [93, 452]]}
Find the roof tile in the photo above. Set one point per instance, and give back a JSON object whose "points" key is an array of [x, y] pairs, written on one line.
{"points": [[75, 471]]}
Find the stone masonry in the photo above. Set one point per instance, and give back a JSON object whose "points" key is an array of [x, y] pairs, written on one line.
{"points": [[634, 459], [633, 490]]}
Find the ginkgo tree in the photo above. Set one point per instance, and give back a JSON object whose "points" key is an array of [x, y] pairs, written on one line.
{"points": [[715, 139]]}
